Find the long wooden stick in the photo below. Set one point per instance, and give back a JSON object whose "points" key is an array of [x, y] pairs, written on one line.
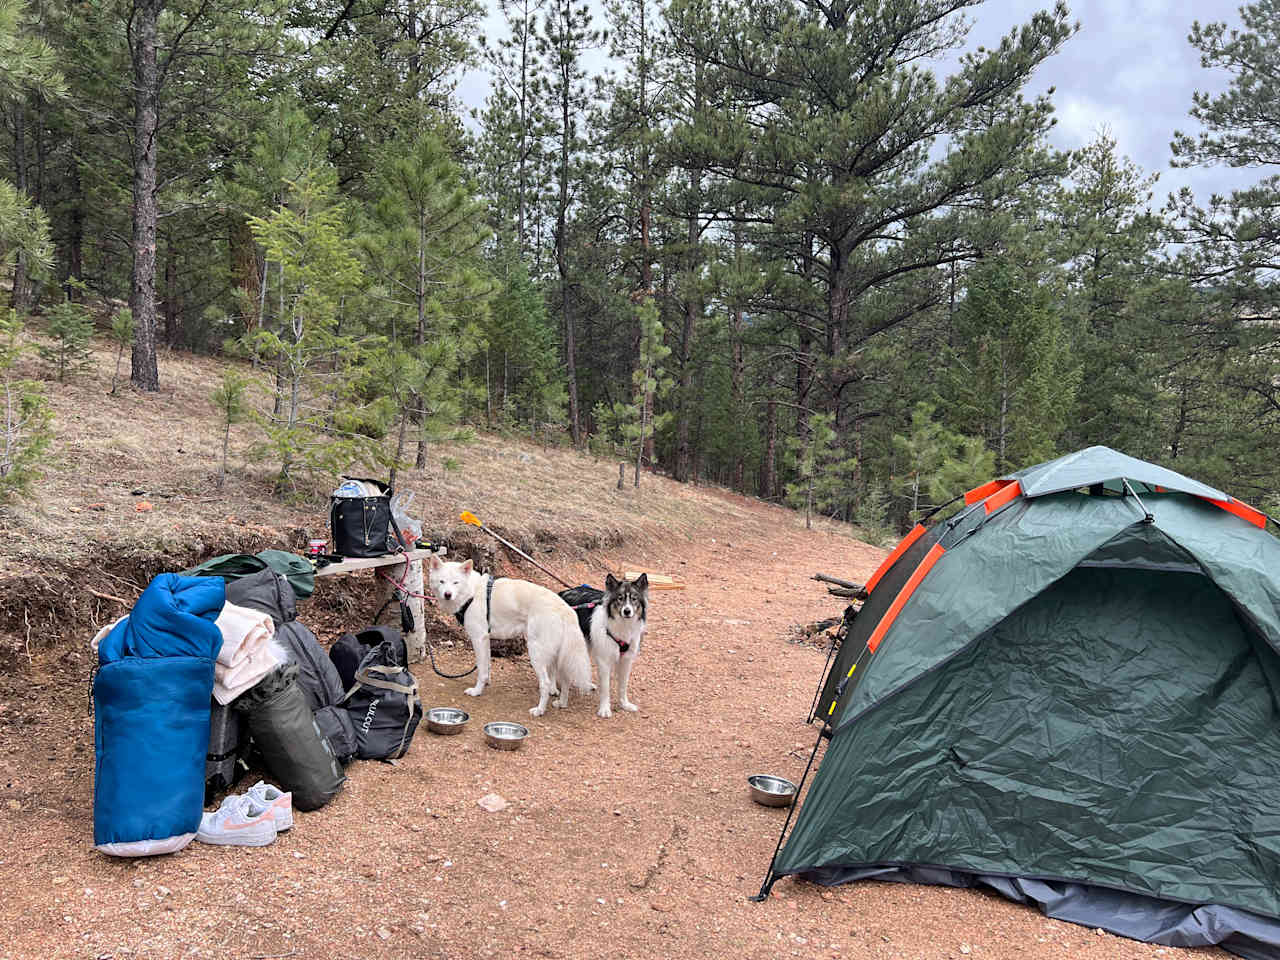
{"points": [[847, 584], [469, 517]]}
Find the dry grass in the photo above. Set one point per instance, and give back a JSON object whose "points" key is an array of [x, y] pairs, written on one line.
{"points": [[168, 446], [115, 454]]}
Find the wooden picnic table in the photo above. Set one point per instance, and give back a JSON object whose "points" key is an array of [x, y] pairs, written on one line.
{"points": [[407, 574]]}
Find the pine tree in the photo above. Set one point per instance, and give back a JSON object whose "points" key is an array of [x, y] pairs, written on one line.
{"points": [[514, 121], [1107, 238], [858, 156], [521, 366], [1226, 407], [228, 399], [1012, 377], [306, 235], [71, 330], [122, 334], [935, 464], [823, 472], [567, 36], [425, 253], [28, 74], [26, 419]]}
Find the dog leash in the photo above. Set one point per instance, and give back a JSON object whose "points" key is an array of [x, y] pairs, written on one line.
{"points": [[406, 621]]}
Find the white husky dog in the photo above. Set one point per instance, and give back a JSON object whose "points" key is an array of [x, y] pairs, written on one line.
{"points": [[506, 609], [617, 627]]}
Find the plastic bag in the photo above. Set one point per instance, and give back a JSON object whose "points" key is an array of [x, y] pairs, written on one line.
{"points": [[410, 529]]}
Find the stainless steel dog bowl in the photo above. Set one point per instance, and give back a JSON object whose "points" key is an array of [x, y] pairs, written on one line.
{"points": [[771, 791], [505, 736], [447, 720]]}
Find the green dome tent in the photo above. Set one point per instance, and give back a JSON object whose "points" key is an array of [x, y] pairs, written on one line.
{"points": [[1070, 692]]}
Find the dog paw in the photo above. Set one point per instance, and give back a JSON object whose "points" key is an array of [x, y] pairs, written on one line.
{"points": [[559, 704], [537, 711], [628, 705], [604, 711], [473, 691]]}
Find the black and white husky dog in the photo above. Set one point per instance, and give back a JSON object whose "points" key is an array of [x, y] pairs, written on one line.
{"points": [[617, 628]]}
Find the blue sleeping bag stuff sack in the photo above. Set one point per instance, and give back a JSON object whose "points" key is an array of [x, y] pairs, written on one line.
{"points": [[151, 717]]}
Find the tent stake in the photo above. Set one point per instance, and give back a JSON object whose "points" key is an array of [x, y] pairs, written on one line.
{"points": [[770, 878]]}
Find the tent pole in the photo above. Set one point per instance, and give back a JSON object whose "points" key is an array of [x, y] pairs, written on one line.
{"points": [[1147, 516], [770, 878], [840, 637], [940, 507], [822, 680]]}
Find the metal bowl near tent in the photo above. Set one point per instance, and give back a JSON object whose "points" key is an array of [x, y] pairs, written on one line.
{"points": [[771, 791]]}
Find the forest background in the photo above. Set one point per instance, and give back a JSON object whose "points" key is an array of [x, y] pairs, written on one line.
{"points": [[818, 251]]}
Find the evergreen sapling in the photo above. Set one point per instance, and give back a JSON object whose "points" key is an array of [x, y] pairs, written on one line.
{"points": [[122, 334], [71, 330], [229, 400]]}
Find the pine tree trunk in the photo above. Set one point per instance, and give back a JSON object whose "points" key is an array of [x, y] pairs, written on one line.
{"points": [[41, 151], [75, 239], [226, 442], [142, 293], [404, 429], [278, 406], [684, 459], [420, 336], [172, 309], [524, 134], [737, 374], [562, 265], [20, 301], [243, 252], [769, 469], [646, 201]]}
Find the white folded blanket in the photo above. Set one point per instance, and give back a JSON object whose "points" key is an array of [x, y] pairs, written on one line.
{"points": [[244, 657]]}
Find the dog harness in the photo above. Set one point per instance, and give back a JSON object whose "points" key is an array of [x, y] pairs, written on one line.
{"points": [[461, 615], [622, 646]]}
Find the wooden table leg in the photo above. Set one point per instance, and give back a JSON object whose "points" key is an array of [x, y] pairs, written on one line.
{"points": [[416, 640]]}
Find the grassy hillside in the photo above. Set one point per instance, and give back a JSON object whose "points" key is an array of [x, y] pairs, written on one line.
{"points": [[86, 530]]}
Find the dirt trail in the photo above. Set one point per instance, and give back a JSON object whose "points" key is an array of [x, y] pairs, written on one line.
{"points": [[632, 837]]}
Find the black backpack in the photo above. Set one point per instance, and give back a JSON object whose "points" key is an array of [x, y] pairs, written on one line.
{"points": [[583, 600], [350, 649], [382, 700]]}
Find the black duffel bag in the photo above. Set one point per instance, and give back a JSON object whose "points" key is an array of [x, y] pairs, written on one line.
{"points": [[293, 751], [362, 526]]}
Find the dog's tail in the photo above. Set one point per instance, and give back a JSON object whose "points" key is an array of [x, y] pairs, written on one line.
{"points": [[573, 663]]}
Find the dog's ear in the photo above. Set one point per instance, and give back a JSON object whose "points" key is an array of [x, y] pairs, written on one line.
{"points": [[611, 583], [434, 562], [466, 566], [642, 581]]}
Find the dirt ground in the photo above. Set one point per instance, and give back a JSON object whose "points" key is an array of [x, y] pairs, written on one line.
{"points": [[630, 837]]}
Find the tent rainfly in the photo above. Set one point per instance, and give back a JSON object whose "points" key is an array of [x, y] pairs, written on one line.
{"points": [[1068, 692]]}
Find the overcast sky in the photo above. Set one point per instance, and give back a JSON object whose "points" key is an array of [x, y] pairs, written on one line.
{"points": [[1128, 69]]}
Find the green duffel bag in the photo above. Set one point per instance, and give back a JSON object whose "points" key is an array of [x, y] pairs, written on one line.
{"points": [[232, 566], [294, 753]]}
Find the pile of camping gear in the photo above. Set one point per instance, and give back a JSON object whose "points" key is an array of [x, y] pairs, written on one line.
{"points": [[211, 673]]}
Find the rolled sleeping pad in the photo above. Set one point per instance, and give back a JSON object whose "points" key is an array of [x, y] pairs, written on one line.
{"points": [[298, 757]]}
